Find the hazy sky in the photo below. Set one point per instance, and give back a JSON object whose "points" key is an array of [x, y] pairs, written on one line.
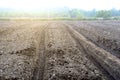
{"points": [[82, 4]]}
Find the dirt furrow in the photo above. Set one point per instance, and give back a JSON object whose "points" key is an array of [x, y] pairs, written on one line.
{"points": [[64, 61], [38, 73], [103, 59], [80, 46]]}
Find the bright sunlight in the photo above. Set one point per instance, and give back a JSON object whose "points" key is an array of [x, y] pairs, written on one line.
{"points": [[45, 4]]}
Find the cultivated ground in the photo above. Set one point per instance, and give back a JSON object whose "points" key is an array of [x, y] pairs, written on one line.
{"points": [[105, 34], [59, 50]]}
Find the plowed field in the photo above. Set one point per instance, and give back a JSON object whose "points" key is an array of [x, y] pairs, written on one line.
{"points": [[59, 50]]}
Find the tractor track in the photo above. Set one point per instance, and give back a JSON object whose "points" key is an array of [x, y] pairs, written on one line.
{"points": [[103, 67], [40, 69], [38, 73], [81, 48]]}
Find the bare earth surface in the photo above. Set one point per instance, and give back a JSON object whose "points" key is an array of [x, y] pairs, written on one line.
{"points": [[56, 50], [105, 34]]}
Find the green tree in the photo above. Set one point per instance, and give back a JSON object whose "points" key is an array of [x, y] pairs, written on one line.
{"points": [[103, 13], [75, 13]]}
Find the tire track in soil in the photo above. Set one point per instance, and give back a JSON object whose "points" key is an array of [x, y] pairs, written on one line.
{"points": [[91, 56], [40, 69], [38, 73], [60, 64]]}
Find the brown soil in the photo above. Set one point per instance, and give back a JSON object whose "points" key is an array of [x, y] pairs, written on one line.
{"points": [[47, 50]]}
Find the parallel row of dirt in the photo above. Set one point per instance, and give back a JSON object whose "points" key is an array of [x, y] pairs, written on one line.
{"points": [[108, 63], [40, 50], [105, 34], [64, 61]]}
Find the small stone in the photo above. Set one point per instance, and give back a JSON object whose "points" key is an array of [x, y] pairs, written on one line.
{"points": [[1, 52]]}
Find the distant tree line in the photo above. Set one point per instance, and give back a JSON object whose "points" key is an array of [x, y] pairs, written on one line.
{"points": [[62, 13]]}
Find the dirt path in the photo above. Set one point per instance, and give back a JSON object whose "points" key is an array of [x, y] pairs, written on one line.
{"points": [[98, 56], [40, 50], [61, 59]]}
